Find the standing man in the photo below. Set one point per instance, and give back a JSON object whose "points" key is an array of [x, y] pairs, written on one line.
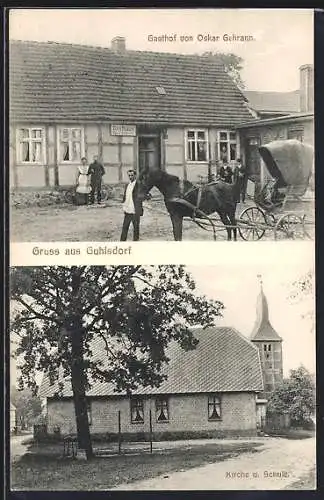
{"points": [[241, 173], [97, 171], [132, 206]]}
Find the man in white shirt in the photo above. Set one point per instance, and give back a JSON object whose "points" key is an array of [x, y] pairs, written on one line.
{"points": [[132, 206]]}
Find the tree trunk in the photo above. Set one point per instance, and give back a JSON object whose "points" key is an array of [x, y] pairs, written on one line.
{"points": [[78, 375], [79, 394]]}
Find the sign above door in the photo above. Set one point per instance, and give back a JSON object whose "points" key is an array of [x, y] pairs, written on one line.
{"points": [[121, 129]]}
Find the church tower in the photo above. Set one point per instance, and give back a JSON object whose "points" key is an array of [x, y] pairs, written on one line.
{"points": [[269, 343]]}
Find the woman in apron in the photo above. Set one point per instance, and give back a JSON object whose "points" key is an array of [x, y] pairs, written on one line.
{"points": [[83, 183]]}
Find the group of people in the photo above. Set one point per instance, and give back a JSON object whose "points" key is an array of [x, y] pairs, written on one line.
{"points": [[237, 176], [88, 188], [88, 182]]}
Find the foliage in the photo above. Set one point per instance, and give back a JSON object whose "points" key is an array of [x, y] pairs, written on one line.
{"points": [[131, 313], [28, 407], [303, 286], [301, 293], [135, 326], [233, 65], [296, 396]]}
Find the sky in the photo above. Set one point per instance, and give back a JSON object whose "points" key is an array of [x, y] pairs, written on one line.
{"points": [[282, 38], [238, 288]]}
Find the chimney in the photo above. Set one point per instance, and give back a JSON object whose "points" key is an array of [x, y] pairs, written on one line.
{"points": [[118, 44], [306, 89]]}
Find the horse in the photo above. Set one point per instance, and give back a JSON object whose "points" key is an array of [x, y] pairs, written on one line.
{"points": [[184, 199]]}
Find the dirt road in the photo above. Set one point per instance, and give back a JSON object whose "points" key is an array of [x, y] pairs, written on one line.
{"points": [[104, 223], [280, 463]]}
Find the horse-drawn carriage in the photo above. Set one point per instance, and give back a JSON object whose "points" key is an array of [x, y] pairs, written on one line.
{"points": [[279, 202]]}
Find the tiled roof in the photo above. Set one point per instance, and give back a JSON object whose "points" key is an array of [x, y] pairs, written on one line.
{"points": [[223, 361], [284, 102], [263, 330], [60, 82]]}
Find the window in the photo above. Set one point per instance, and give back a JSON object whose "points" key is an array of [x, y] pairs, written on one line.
{"points": [[296, 133], [267, 350], [162, 409], [89, 411], [227, 146], [31, 145], [71, 145], [214, 407], [197, 145], [137, 411]]}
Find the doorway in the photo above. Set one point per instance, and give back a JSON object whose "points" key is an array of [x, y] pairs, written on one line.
{"points": [[149, 152]]}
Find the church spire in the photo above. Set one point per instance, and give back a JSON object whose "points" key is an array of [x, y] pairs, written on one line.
{"points": [[263, 330]]}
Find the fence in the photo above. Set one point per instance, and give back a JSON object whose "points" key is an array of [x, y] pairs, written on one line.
{"points": [[125, 440]]}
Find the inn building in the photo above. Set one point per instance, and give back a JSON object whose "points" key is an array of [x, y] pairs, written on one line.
{"points": [[133, 109], [136, 109]]}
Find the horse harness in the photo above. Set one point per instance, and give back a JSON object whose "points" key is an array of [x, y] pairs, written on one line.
{"points": [[184, 193]]}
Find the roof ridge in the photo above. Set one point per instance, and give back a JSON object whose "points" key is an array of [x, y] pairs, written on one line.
{"points": [[106, 48], [244, 338], [273, 91]]}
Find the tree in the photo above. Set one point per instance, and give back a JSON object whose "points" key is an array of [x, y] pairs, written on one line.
{"points": [[296, 396], [303, 286], [136, 311], [302, 294], [232, 64], [28, 406]]}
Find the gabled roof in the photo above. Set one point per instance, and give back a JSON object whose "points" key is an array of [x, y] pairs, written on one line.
{"points": [[223, 361], [56, 82], [263, 330], [283, 102]]}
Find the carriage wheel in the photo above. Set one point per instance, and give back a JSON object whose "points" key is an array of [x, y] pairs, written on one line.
{"points": [[252, 217], [69, 196], [290, 226]]}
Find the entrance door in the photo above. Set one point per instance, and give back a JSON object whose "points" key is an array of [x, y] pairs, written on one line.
{"points": [[149, 154]]}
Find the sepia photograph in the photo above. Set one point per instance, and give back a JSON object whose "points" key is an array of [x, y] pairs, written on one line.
{"points": [[163, 377], [158, 365], [195, 125]]}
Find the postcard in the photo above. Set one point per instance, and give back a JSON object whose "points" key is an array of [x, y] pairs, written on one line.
{"points": [[162, 241]]}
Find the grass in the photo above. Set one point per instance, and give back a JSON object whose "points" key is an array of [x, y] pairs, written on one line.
{"points": [[43, 471]]}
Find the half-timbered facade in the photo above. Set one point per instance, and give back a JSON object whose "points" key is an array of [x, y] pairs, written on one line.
{"points": [[133, 109]]}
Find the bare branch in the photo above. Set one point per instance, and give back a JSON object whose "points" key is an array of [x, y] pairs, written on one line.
{"points": [[109, 351], [36, 314]]}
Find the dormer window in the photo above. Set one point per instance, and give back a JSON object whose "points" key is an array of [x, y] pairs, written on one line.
{"points": [[161, 90]]}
